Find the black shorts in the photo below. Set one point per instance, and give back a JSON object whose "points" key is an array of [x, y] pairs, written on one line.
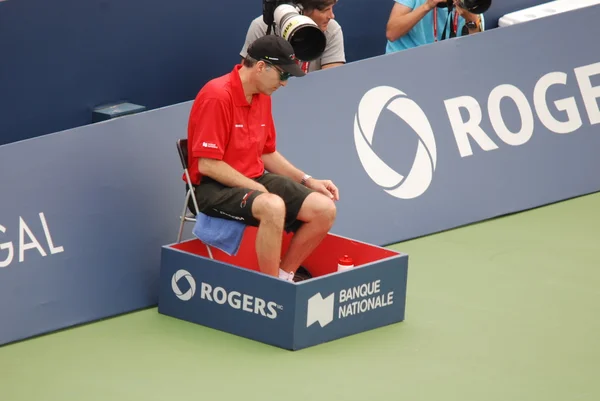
{"points": [[217, 200]]}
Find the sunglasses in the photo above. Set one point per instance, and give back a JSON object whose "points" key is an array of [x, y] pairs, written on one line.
{"points": [[283, 75]]}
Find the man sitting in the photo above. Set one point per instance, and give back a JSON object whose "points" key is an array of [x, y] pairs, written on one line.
{"points": [[232, 140]]}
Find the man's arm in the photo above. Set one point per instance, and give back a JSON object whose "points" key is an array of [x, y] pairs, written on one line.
{"points": [[326, 66], [334, 54], [403, 18], [225, 174], [277, 164], [478, 19]]}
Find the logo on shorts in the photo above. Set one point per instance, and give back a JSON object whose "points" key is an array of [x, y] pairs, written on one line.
{"points": [[418, 179], [245, 199], [239, 218]]}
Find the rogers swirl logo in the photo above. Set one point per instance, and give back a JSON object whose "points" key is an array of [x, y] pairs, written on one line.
{"points": [[420, 175], [184, 296]]}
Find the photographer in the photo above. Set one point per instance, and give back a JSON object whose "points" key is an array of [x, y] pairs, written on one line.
{"points": [[414, 23], [321, 12]]}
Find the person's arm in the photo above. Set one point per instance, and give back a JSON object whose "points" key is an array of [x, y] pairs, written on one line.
{"points": [[470, 17], [277, 164], [334, 54], [225, 174], [326, 66], [273, 160], [403, 18]]}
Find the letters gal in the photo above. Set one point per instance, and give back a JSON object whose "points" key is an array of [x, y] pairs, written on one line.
{"points": [[27, 241]]}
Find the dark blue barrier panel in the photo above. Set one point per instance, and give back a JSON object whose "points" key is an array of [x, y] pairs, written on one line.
{"points": [[83, 216], [453, 133], [229, 294]]}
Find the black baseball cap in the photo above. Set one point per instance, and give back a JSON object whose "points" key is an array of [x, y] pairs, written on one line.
{"points": [[277, 51]]}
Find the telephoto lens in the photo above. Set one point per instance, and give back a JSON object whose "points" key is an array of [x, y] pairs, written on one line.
{"points": [[301, 31]]}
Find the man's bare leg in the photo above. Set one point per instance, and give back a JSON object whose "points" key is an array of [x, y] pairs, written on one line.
{"points": [[269, 209], [318, 214]]}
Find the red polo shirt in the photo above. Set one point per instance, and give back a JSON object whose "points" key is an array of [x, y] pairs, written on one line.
{"points": [[224, 126]]}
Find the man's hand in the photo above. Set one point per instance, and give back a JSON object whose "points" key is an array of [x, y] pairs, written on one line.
{"points": [[431, 4], [469, 17], [260, 187], [326, 187]]}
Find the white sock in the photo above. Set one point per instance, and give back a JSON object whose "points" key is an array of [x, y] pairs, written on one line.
{"points": [[285, 275]]}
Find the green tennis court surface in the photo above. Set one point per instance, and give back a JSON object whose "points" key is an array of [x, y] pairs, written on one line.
{"points": [[507, 309]]}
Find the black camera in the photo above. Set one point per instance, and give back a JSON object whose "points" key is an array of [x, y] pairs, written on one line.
{"points": [[472, 6], [301, 31]]}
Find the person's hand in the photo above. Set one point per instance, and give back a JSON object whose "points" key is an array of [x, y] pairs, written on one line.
{"points": [[261, 188], [326, 187], [431, 4], [469, 17]]}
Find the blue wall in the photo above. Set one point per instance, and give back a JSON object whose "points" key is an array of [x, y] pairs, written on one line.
{"points": [[111, 193], [61, 58]]}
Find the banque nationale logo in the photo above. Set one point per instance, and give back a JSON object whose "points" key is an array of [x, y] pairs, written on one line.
{"points": [[370, 107], [351, 301]]}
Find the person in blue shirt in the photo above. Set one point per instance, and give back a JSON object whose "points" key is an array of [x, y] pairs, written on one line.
{"points": [[414, 23]]}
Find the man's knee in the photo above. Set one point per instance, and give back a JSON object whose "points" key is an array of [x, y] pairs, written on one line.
{"points": [[270, 208], [329, 211], [320, 208]]}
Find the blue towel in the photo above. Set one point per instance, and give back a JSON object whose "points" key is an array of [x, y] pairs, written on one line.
{"points": [[223, 234]]}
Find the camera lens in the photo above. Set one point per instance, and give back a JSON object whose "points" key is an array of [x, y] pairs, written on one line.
{"points": [[302, 32]]}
